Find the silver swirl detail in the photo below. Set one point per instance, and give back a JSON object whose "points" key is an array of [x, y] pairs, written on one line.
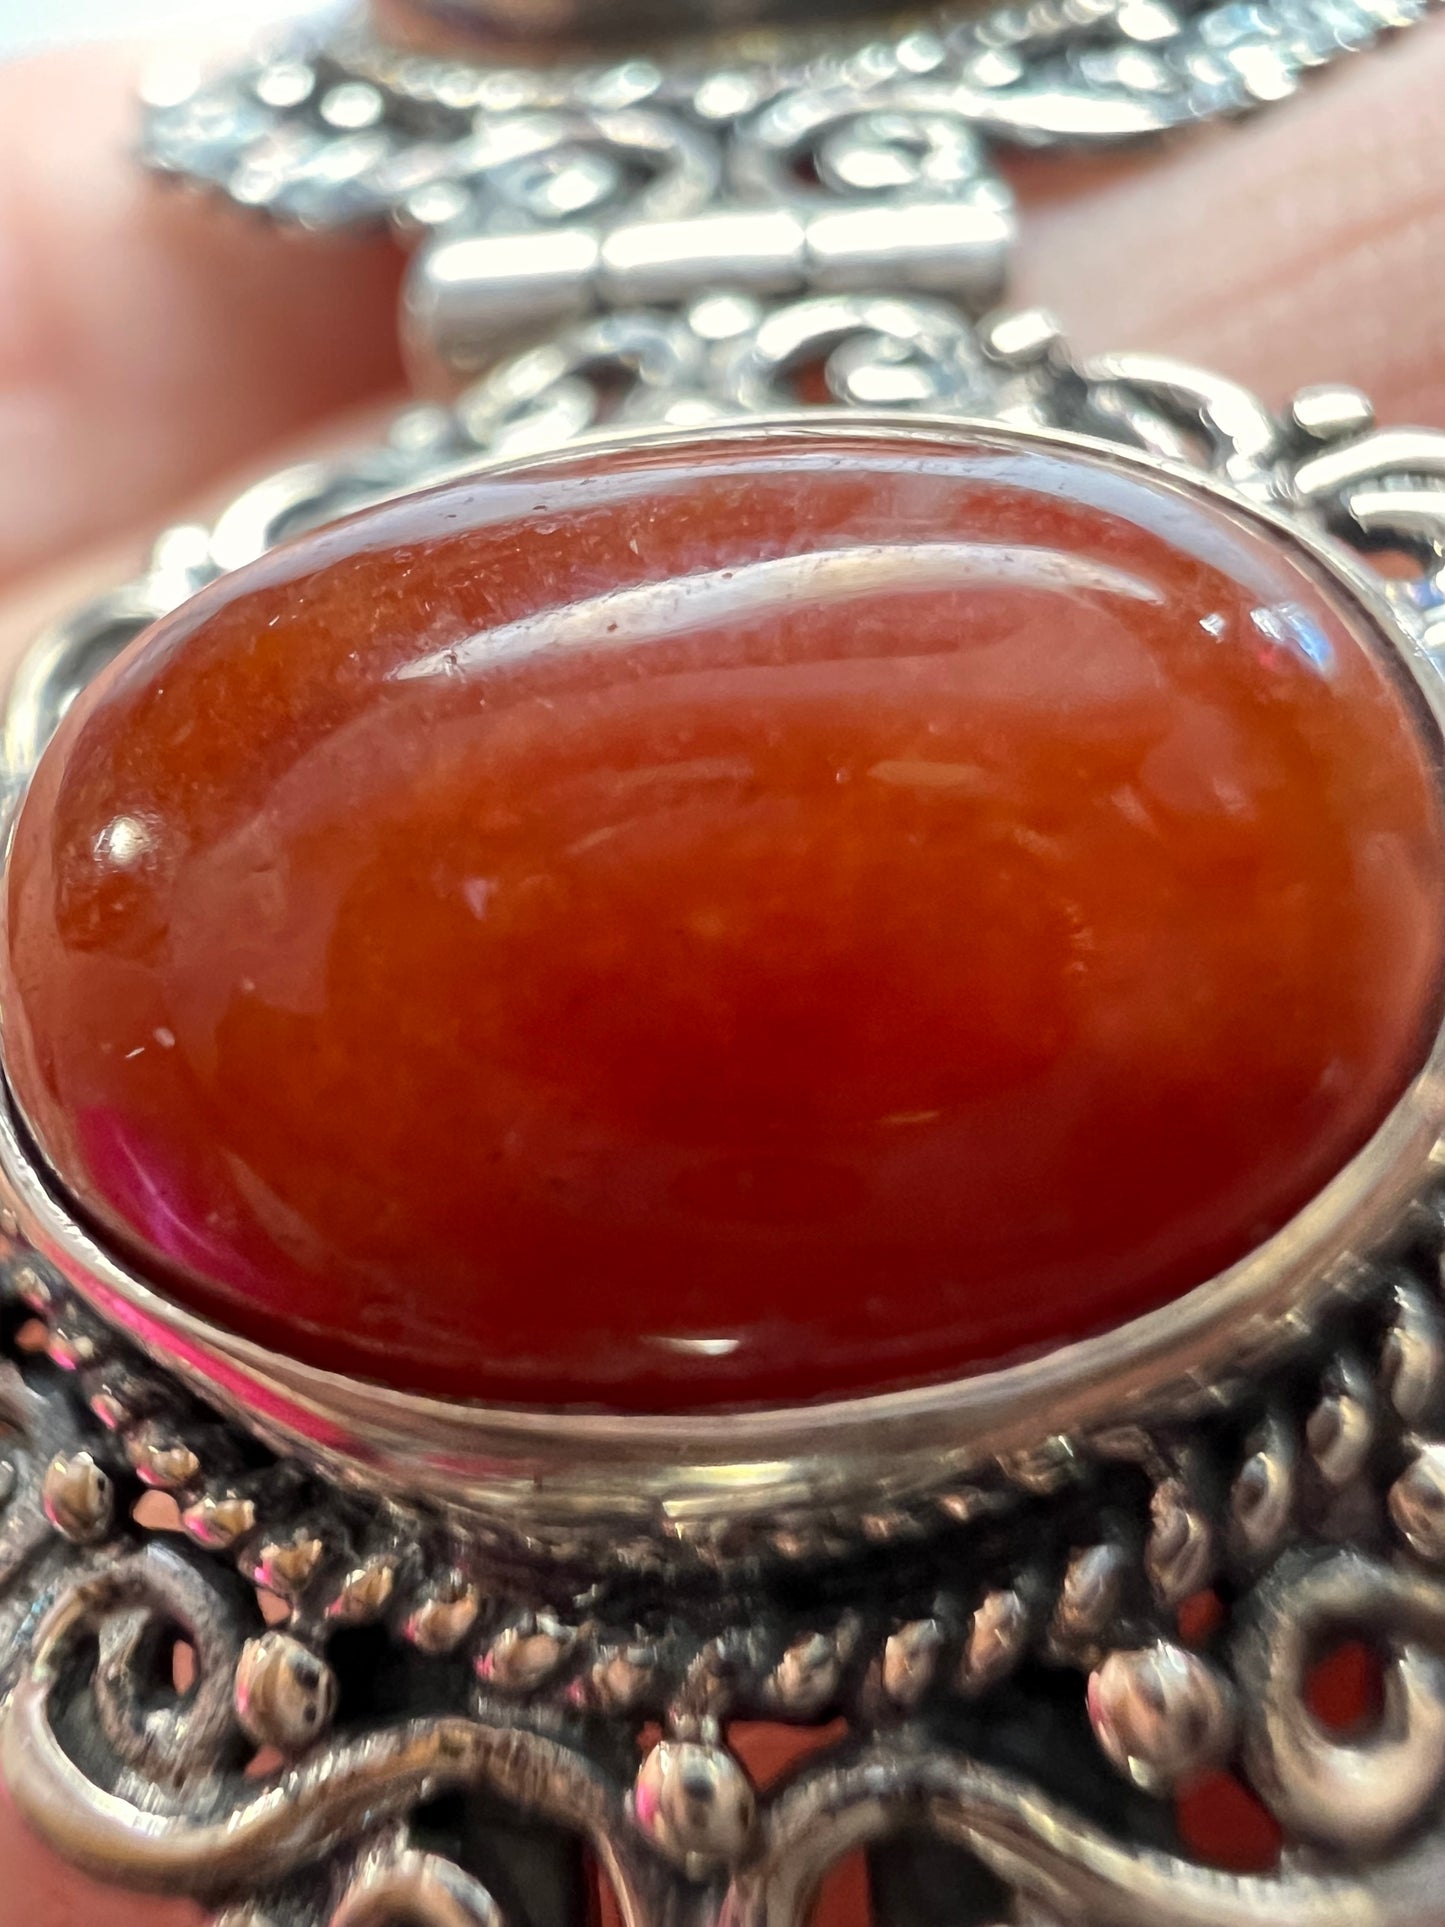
{"points": [[348, 130], [153, 1807], [1357, 1793]]}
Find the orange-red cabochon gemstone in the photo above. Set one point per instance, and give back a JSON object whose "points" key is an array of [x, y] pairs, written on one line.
{"points": [[751, 920]]}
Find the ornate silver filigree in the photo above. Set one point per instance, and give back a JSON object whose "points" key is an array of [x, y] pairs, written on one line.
{"points": [[350, 130], [1021, 1614], [542, 1689], [1030, 1602], [141, 1785], [764, 170], [356, 1685]]}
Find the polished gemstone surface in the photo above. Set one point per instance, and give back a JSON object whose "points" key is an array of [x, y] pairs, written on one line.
{"points": [[750, 920]]}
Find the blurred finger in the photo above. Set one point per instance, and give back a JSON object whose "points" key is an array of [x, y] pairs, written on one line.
{"points": [[29, 605], [149, 339], [1305, 245]]}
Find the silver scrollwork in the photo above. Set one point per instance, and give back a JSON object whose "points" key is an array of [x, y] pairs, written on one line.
{"points": [[260, 1574], [190, 1698]]}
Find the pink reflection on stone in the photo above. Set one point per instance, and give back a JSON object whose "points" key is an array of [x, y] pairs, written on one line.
{"points": [[163, 1202], [174, 1223]]}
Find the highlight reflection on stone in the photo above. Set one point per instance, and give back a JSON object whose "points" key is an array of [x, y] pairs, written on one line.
{"points": [[751, 920]]}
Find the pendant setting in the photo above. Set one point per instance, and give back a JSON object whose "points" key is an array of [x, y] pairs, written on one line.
{"points": [[422, 998], [1153, 1531], [477, 680], [734, 920]]}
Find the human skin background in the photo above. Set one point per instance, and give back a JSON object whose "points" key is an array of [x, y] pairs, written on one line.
{"points": [[155, 352]]}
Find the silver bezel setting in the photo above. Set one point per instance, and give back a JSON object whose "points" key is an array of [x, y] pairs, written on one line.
{"points": [[575, 1477], [442, 1656]]}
